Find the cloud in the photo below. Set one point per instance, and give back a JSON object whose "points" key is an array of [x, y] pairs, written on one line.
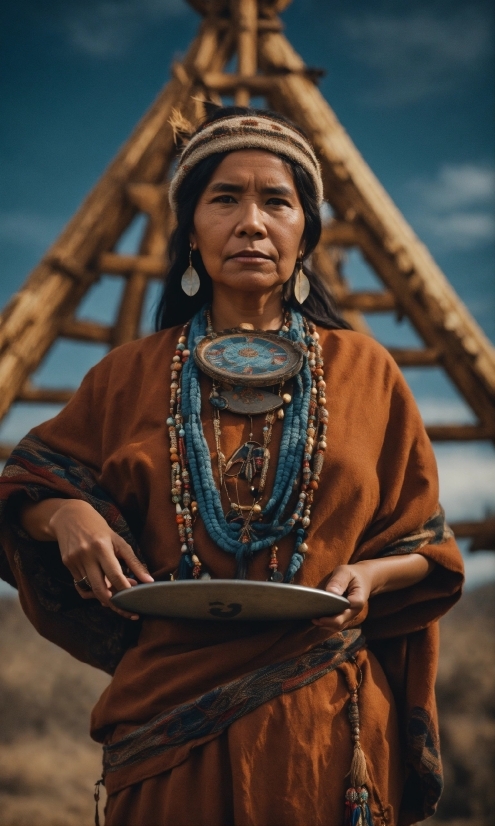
{"points": [[28, 228], [456, 207], [457, 186], [467, 480], [418, 55], [463, 230], [105, 29]]}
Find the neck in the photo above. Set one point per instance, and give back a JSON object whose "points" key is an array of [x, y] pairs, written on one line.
{"points": [[230, 308]]}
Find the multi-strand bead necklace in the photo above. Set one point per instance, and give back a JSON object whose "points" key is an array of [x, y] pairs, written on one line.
{"points": [[302, 448]]}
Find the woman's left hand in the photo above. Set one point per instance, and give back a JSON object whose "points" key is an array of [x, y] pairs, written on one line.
{"points": [[353, 581], [369, 577]]}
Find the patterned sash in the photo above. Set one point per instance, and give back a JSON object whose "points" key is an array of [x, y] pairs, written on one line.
{"points": [[214, 711]]}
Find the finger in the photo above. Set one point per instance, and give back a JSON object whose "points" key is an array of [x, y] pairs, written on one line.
{"points": [[339, 581], [130, 580], [101, 588], [356, 594], [85, 594], [79, 577], [112, 568], [97, 577], [338, 621], [125, 552], [106, 568], [76, 571]]}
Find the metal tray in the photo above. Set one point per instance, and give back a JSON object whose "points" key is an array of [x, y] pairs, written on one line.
{"points": [[229, 599]]}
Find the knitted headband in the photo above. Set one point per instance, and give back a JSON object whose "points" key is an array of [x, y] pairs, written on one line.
{"points": [[245, 132]]}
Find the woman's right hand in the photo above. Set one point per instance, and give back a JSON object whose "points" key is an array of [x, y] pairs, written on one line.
{"points": [[89, 548]]}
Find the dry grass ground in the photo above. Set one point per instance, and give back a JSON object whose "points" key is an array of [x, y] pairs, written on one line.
{"points": [[466, 698], [48, 764]]}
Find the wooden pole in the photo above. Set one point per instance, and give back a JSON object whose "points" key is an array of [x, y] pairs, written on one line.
{"points": [[482, 534], [388, 242], [82, 330], [153, 200], [237, 83], [246, 16], [325, 265], [367, 301], [31, 321]]}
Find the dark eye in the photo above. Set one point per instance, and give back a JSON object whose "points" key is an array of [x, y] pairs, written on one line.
{"points": [[277, 202], [224, 199]]}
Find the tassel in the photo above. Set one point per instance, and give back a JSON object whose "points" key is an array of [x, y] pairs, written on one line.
{"points": [[357, 810], [96, 797], [241, 568], [185, 567], [243, 557], [359, 772]]}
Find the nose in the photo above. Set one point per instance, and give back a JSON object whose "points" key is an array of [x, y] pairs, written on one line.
{"points": [[251, 222]]}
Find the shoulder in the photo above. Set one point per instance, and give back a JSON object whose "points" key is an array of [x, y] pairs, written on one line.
{"points": [[361, 365], [129, 361], [349, 347]]}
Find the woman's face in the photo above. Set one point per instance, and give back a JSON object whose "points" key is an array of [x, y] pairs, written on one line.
{"points": [[249, 222]]}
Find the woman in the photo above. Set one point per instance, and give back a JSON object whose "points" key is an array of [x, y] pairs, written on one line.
{"points": [[159, 464]]}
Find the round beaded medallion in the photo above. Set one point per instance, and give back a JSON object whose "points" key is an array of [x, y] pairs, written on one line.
{"points": [[256, 359]]}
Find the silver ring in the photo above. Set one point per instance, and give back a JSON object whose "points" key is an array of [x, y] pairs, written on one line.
{"points": [[83, 584]]}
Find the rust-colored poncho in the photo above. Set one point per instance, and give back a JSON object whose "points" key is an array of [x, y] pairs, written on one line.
{"points": [[283, 764]]}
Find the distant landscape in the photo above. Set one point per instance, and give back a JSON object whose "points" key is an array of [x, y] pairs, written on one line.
{"points": [[48, 764]]}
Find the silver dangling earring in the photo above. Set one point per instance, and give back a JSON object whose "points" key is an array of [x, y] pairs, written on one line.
{"points": [[190, 282], [301, 284]]}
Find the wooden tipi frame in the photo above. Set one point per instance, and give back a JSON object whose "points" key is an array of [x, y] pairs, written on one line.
{"points": [[365, 218]]}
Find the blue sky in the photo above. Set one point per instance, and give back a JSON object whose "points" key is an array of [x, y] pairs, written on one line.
{"points": [[412, 83]]}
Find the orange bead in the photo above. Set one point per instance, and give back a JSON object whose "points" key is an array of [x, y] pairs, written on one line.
{"points": [[174, 457]]}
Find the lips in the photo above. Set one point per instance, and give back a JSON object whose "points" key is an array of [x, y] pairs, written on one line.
{"points": [[251, 254]]}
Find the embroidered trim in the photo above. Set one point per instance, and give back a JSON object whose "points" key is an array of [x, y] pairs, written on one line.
{"points": [[214, 711], [434, 531], [32, 466], [40, 473], [423, 754]]}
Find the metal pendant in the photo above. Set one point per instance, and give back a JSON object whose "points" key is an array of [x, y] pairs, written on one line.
{"points": [[250, 401], [246, 462], [276, 576]]}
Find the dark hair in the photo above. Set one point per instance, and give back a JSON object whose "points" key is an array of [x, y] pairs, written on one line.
{"points": [[175, 307]]}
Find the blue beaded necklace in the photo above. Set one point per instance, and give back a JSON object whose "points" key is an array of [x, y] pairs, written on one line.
{"points": [[192, 468]]}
